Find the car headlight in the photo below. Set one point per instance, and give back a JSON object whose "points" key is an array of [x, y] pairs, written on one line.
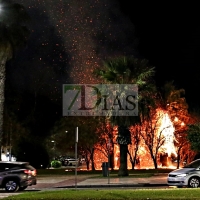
{"points": [[181, 175]]}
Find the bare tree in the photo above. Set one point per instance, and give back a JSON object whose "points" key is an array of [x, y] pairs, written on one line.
{"points": [[106, 141], [153, 134], [181, 141], [134, 146]]}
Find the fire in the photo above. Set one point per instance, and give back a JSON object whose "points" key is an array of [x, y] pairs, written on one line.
{"points": [[165, 130]]}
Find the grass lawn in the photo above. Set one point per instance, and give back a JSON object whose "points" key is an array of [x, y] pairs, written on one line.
{"points": [[89, 194]]}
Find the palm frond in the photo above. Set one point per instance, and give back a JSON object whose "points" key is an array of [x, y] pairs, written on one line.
{"points": [[129, 70]]}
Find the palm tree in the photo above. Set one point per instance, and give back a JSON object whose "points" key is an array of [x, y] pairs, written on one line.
{"points": [[13, 35], [128, 70]]}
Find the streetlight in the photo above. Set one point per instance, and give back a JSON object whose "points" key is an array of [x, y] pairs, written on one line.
{"points": [[76, 143], [108, 167]]}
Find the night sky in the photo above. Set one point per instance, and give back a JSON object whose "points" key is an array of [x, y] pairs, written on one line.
{"points": [[70, 38], [169, 37]]}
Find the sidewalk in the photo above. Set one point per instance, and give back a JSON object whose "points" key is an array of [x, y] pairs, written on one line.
{"points": [[156, 180]]}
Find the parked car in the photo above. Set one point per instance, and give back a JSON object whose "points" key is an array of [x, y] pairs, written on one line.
{"points": [[16, 176], [62, 159], [71, 162], [188, 176]]}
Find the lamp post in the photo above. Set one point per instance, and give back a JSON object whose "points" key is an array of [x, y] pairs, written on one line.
{"points": [[108, 145], [76, 143]]}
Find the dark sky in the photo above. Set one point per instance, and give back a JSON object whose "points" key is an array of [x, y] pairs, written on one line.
{"points": [[69, 38], [169, 37]]}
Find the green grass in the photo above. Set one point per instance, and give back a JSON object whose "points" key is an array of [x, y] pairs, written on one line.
{"points": [[89, 194]]}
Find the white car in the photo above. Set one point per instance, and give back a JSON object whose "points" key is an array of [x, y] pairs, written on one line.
{"points": [[71, 162], [188, 176]]}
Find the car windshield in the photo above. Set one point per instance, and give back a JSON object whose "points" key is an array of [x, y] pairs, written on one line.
{"points": [[194, 164]]}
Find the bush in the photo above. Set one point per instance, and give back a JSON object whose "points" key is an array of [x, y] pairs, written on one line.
{"points": [[56, 164]]}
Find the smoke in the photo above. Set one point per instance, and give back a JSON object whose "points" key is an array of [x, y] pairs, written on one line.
{"points": [[87, 33], [69, 39]]}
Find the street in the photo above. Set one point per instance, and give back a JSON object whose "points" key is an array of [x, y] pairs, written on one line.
{"points": [[45, 183]]}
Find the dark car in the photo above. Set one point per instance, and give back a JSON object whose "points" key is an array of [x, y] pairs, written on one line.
{"points": [[188, 176], [16, 176]]}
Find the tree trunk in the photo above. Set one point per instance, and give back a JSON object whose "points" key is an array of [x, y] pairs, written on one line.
{"points": [[92, 159], [123, 171], [178, 161], [131, 160], [136, 160], [178, 158], [88, 165], [2, 86], [155, 163], [111, 160], [5, 54]]}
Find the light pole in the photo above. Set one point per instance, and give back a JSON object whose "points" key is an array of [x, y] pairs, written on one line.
{"points": [[108, 161], [76, 143]]}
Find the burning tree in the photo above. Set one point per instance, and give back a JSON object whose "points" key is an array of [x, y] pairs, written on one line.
{"points": [[181, 140], [177, 107], [161, 133], [126, 70], [135, 144], [105, 144], [156, 134]]}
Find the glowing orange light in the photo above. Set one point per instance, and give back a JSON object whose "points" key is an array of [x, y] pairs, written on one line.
{"points": [[176, 119], [164, 129]]}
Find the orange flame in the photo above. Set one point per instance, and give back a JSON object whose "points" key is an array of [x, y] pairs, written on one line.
{"points": [[166, 128]]}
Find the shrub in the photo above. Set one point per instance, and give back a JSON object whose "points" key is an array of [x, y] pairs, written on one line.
{"points": [[56, 164]]}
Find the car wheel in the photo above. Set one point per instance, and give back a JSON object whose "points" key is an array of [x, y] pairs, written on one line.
{"points": [[22, 188], [11, 186], [194, 182]]}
